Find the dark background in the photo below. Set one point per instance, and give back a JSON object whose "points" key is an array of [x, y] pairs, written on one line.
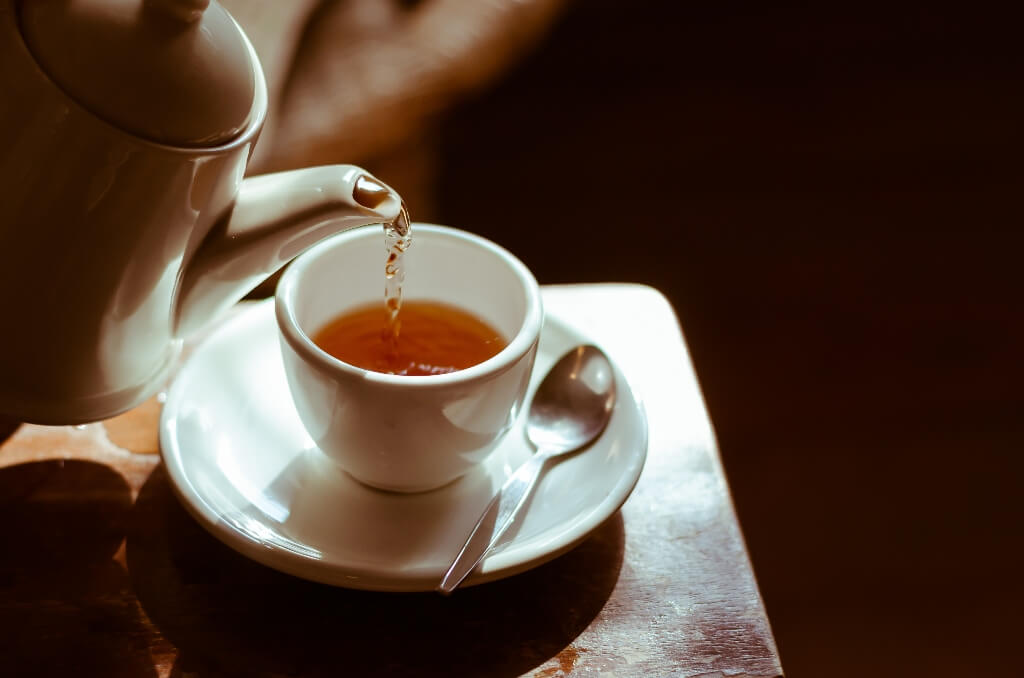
{"points": [[831, 200]]}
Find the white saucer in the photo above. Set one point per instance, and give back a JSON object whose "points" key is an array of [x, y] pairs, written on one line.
{"points": [[243, 465]]}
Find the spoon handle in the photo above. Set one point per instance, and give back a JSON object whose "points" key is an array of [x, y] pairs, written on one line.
{"points": [[495, 520]]}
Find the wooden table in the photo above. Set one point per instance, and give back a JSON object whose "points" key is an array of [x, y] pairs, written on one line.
{"points": [[102, 572]]}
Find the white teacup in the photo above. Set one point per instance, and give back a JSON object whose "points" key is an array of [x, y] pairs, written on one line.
{"points": [[408, 433]]}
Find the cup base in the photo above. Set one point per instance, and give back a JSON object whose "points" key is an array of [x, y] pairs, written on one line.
{"points": [[397, 489]]}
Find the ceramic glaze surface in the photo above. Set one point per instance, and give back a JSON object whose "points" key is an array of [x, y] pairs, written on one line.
{"points": [[242, 463], [173, 71], [115, 246], [396, 432], [96, 224]]}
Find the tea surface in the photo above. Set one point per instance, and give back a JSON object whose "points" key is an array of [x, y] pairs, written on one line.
{"points": [[428, 338]]}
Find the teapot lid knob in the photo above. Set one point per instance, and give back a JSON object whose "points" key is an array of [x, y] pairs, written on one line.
{"points": [[178, 72]]}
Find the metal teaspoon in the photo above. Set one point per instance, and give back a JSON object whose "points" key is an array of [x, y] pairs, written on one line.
{"points": [[570, 409]]}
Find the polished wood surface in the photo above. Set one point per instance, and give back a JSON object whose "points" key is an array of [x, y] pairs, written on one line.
{"points": [[103, 573]]}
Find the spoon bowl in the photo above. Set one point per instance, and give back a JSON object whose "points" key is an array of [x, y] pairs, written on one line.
{"points": [[573, 403]]}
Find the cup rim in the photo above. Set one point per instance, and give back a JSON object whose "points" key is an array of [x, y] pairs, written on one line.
{"points": [[519, 346]]}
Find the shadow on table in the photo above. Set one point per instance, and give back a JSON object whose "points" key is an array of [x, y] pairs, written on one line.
{"points": [[66, 606], [230, 616]]}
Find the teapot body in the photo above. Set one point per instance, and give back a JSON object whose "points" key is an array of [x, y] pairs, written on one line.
{"points": [[96, 227]]}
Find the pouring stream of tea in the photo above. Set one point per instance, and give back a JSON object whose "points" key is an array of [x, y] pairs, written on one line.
{"points": [[397, 238]]}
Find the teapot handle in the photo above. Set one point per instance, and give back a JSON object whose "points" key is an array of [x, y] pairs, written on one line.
{"points": [[275, 218]]}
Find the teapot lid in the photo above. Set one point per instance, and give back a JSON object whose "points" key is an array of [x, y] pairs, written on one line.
{"points": [[178, 72]]}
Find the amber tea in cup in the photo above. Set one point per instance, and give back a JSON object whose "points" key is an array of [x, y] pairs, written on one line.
{"points": [[432, 338]]}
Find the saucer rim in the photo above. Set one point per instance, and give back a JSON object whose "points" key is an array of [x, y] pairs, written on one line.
{"points": [[550, 544]]}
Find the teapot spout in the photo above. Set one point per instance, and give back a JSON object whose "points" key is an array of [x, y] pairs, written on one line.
{"points": [[275, 217]]}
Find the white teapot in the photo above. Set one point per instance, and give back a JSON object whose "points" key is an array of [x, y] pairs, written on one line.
{"points": [[125, 223]]}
